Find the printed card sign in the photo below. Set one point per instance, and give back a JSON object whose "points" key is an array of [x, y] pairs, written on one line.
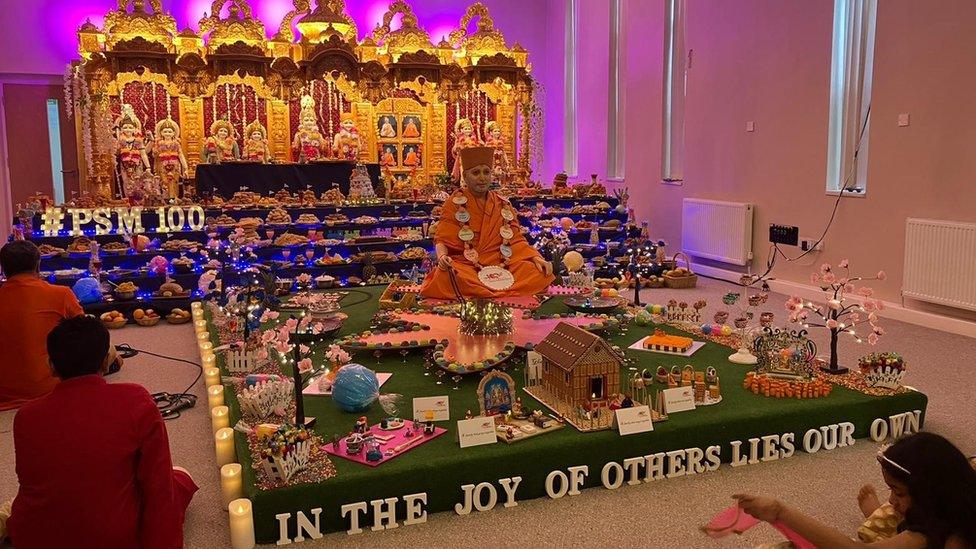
{"points": [[435, 408], [636, 419], [679, 399], [533, 365], [476, 431]]}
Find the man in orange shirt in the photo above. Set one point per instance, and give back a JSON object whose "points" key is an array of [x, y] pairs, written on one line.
{"points": [[29, 309]]}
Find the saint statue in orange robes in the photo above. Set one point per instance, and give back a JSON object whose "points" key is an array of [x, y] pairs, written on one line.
{"points": [[478, 239]]}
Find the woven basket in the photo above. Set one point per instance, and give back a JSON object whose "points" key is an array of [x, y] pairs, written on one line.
{"points": [[178, 319], [115, 324], [148, 321], [680, 282], [656, 283]]}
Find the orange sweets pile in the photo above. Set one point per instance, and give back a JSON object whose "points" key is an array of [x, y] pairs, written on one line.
{"points": [[784, 388]]}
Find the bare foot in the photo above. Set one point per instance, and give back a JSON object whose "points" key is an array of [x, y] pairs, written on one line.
{"points": [[867, 500]]}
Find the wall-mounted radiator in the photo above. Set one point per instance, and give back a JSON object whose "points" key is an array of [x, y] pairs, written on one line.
{"points": [[940, 259], [717, 230]]}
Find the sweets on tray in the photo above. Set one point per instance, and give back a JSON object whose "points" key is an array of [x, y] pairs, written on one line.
{"points": [[307, 219], [243, 198], [222, 220], [48, 250], [179, 244], [770, 386], [333, 196], [290, 239], [662, 341], [82, 244], [365, 220], [415, 252], [115, 247], [336, 218], [278, 216]]}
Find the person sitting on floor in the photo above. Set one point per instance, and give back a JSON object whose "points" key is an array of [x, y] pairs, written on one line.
{"points": [[29, 308], [933, 486], [93, 458]]}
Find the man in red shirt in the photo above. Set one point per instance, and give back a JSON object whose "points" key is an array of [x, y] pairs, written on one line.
{"points": [[29, 308], [93, 458]]}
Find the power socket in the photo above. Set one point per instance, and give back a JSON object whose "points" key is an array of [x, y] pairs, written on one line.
{"points": [[806, 243], [784, 234]]}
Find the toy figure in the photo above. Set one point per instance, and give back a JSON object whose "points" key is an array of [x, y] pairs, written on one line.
{"points": [[517, 407], [308, 141], [170, 163], [256, 147], [360, 426], [221, 145], [464, 137], [627, 402], [494, 139], [347, 142], [468, 415], [387, 130], [410, 130], [130, 151]]}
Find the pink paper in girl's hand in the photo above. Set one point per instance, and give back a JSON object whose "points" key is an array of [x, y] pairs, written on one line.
{"points": [[735, 521]]}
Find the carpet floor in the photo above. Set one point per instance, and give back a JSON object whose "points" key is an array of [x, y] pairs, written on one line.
{"points": [[659, 514]]}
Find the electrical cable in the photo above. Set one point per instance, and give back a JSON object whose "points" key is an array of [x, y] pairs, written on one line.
{"points": [[169, 404]]}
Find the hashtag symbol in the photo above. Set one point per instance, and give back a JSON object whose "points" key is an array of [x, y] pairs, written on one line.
{"points": [[51, 221]]}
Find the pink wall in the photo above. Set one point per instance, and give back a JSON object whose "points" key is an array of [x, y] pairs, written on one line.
{"points": [[769, 61]]}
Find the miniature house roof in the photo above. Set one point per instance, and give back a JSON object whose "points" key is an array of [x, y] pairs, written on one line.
{"points": [[568, 346]]}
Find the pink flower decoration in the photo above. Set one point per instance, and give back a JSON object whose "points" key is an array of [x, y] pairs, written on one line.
{"points": [[873, 339], [865, 291], [282, 347], [829, 278], [843, 263], [879, 305], [872, 318], [878, 330], [881, 275], [832, 324], [869, 306], [303, 349], [317, 328], [834, 304], [268, 336], [855, 317], [291, 323], [262, 354], [815, 278], [825, 268], [305, 365], [848, 287]]}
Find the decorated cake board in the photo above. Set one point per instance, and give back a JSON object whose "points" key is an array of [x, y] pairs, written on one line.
{"points": [[639, 346], [398, 438], [535, 431], [313, 385], [602, 420]]}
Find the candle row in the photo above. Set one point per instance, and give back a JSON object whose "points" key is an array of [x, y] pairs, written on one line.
{"points": [[241, 516]]}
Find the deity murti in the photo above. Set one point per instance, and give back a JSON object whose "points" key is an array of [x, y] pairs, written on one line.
{"points": [[169, 161], [130, 151], [464, 137], [386, 129], [494, 139], [256, 147], [221, 145], [347, 142], [308, 141]]}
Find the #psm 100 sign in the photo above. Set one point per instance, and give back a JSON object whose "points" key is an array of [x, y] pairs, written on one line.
{"points": [[115, 220]]}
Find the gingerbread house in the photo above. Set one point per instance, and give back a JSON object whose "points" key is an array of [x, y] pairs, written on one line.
{"points": [[579, 368]]}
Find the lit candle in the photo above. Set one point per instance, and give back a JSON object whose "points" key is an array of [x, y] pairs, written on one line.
{"points": [[196, 305], [201, 325], [215, 395], [220, 417], [205, 346], [241, 524], [212, 375], [224, 443], [197, 314], [203, 336], [231, 485], [208, 360]]}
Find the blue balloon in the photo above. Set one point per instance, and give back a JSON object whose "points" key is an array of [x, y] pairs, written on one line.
{"points": [[87, 290], [355, 388]]}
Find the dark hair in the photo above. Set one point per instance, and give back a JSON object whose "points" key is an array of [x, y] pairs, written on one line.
{"points": [[78, 346], [941, 484], [19, 256]]}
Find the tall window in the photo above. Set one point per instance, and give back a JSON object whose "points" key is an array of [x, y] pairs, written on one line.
{"points": [[54, 143], [675, 68], [851, 65], [615, 126], [570, 164]]}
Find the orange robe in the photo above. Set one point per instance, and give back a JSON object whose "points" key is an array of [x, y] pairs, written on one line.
{"points": [[411, 130], [486, 221]]}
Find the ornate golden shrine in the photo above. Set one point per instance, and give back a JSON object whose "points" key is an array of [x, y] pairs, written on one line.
{"points": [[231, 70]]}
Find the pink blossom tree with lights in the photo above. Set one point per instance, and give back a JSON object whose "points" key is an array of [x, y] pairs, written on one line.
{"points": [[836, 314]]}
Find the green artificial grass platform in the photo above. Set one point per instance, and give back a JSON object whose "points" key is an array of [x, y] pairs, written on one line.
{"points": [[440, 467]]}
